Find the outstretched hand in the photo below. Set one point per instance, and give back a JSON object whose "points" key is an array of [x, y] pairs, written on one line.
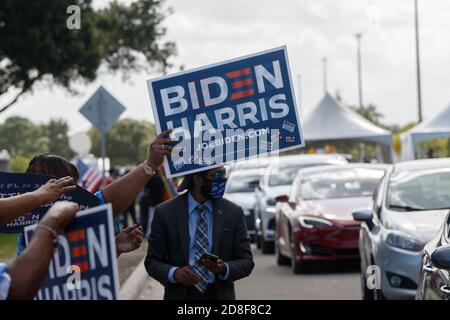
{"points": [[129, 239], [54, 189]]}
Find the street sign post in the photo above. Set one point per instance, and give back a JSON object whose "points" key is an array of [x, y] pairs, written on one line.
{"points": [[102, 110]]}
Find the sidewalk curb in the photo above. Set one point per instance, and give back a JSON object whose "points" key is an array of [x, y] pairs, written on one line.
{"points": [[132, 287]]}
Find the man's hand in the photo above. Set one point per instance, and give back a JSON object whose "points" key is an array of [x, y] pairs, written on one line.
{"points": [[54, 189], [129, 239], [186, 276], [214, 267], [60, 215], [159, 148]]}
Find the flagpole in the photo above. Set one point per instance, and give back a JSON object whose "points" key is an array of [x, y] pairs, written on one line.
{"points": [[358, 54]]}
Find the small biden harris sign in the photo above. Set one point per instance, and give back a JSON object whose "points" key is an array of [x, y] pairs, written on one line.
{"points": [[229, 111], [84, 266]]}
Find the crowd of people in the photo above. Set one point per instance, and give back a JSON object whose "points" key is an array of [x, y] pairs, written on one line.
{"points": [[198, 243], [22, 278]]}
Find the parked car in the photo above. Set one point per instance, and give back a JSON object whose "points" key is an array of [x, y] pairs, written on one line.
{"points": [[409, 207], [276, 181], [260, 162], [314, 223], [434, 280], [239, 189]]}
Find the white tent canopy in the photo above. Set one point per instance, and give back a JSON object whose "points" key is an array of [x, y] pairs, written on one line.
{"points": [[436, 127], [332, 121]]}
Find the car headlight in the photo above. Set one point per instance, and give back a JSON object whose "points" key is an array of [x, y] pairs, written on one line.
{"points": [[403, 241], [314, 222]]}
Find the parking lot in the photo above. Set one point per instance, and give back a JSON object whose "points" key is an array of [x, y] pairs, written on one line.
{"points": [[334, 281], [268, 281]]}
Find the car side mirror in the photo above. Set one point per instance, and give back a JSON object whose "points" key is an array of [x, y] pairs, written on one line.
{"points": [[441, 257], [364, 215]]}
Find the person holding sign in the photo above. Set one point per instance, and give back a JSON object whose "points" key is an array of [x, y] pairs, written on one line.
{"points": [[120, 193], [199, 244], [22, 278]]}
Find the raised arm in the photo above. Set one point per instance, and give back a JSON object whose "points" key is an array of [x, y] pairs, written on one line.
{"points": [[13, 207], [28, 271], [122, 192]]}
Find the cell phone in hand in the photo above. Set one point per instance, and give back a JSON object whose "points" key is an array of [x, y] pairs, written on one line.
{"points": [[209, 256]]}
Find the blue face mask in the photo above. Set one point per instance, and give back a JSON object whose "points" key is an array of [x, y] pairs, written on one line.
{"points": [[214, 189], [217, 190]]}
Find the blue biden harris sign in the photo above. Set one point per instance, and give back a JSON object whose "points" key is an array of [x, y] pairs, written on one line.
{"points": [[84, 267], [229, 111]]}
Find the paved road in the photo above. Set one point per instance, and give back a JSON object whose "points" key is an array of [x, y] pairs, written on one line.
{"points": [[328, 282], [270, 281]]}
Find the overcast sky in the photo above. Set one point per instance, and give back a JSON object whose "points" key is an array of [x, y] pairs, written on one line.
{"points": [[208, 31]]}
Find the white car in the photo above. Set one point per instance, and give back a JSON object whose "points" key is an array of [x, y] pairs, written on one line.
{"points": [[408, 208], [276, 181], [239, 189]]}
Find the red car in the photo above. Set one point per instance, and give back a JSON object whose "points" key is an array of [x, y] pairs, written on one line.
{"points": [[315, 223]]}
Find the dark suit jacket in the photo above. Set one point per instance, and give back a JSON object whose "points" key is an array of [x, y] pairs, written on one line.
{"points": [[169, 245]]}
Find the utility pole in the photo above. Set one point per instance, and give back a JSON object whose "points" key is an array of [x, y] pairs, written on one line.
{"points": [[358, 53], [324, 61], [419, 86]]}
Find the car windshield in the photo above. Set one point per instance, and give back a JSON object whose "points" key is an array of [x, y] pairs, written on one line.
{"points": [[419, 190], [241, 183], [345, 183], [286, 173]]}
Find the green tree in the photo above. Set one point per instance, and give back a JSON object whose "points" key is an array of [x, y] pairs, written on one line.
{"points": [[22, 137], [371, 113], [36, 44], [56, 132], [127, 142]]}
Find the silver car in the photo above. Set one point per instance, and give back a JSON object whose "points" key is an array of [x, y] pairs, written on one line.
{"points": [[276, 181], [408, 208], [239, 189]]}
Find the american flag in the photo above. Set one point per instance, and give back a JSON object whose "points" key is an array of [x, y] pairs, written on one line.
{"points": [[90, 177]]}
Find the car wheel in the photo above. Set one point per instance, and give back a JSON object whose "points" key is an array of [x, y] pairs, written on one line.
{"points": [[281, 260], [378, 295], [367, 294], [267, 247], [299, 267]]}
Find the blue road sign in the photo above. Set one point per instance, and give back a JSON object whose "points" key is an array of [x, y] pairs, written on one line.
{"points": [[102, 110]]}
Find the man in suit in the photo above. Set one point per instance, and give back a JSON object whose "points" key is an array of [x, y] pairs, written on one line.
{"points": [[193, 223]]}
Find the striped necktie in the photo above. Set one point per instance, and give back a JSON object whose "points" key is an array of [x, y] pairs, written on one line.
{"points": [[201, 246]]}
